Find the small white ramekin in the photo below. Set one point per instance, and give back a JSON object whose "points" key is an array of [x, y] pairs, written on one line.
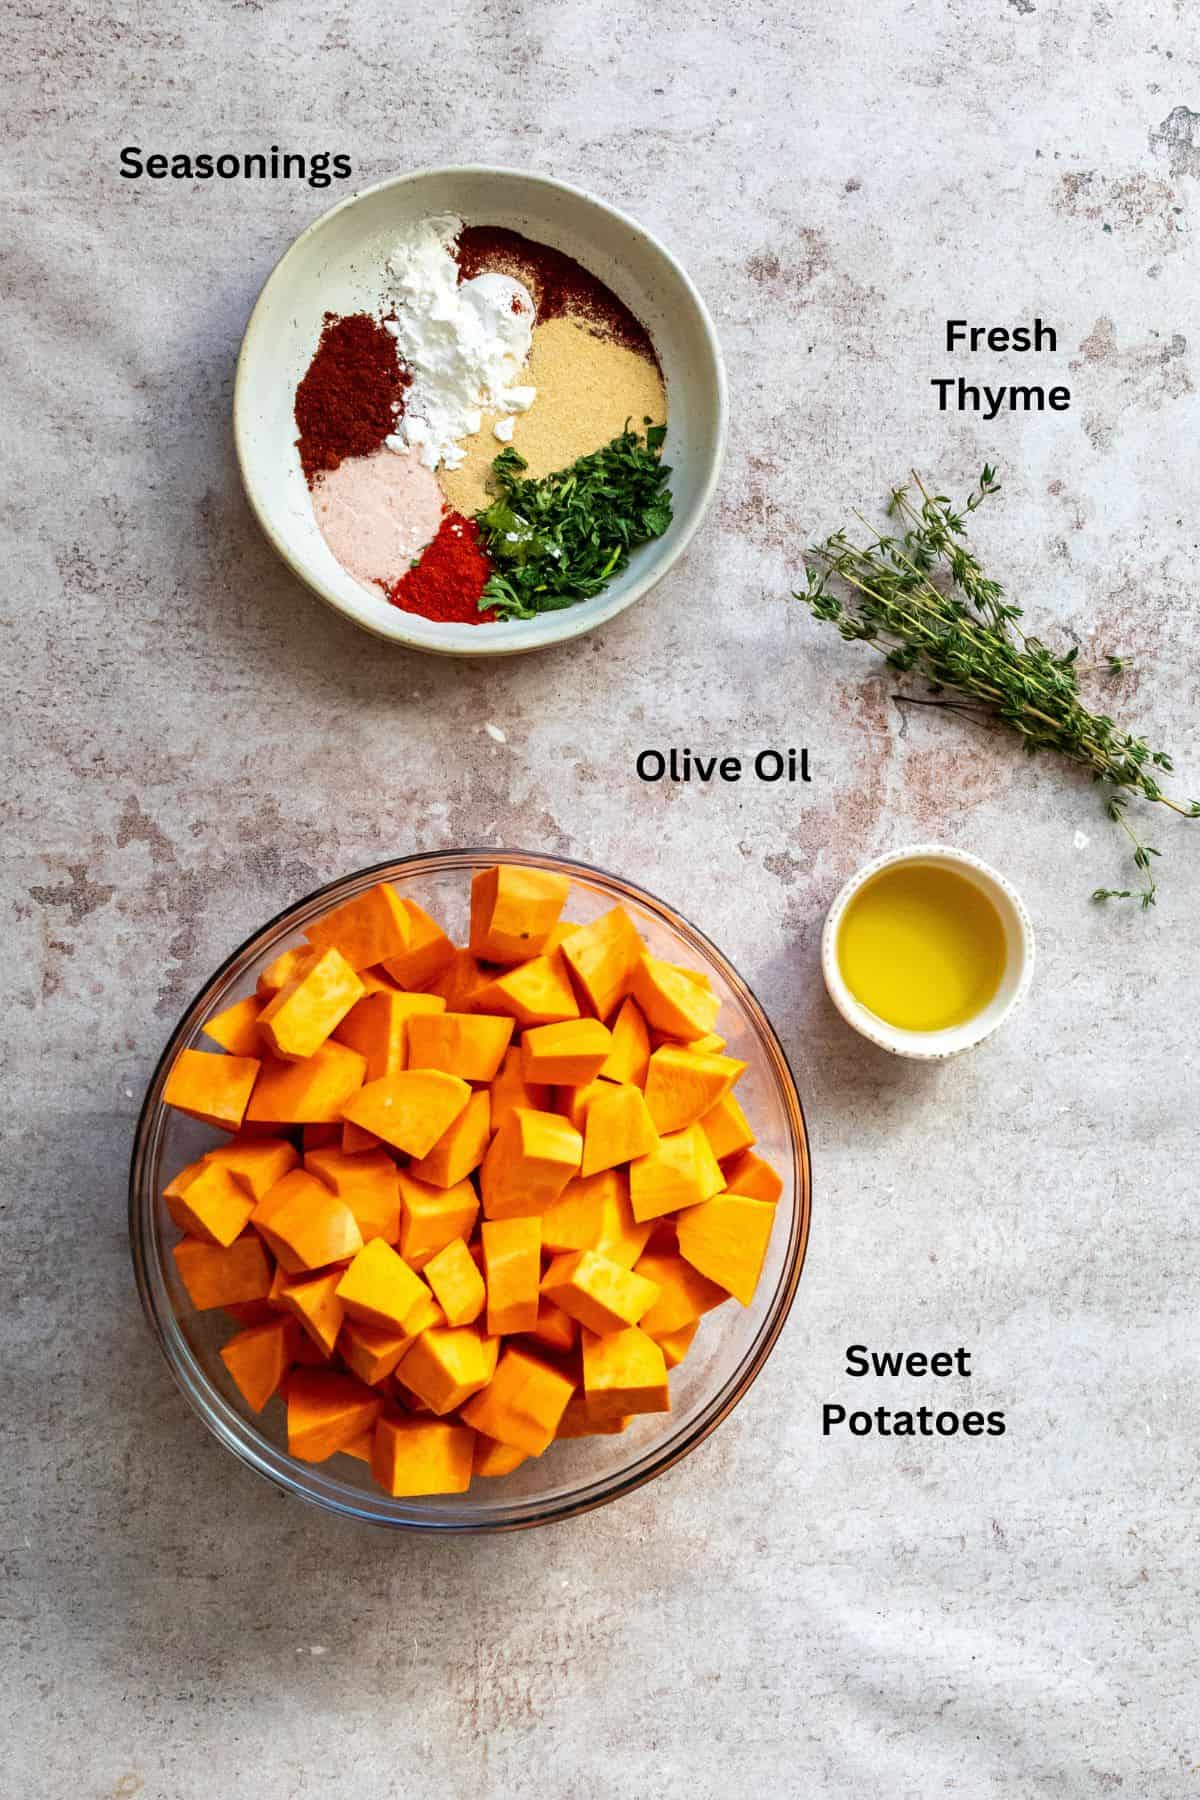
{"points": [[934, 1046]]}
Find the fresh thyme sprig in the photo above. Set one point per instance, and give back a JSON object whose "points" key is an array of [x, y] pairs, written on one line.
{"points": [[920, 597]]}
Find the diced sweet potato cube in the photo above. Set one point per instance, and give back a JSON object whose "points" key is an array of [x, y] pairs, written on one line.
{"points": [[285, 967], [513, 910], [461, 1148], [593, 1213], [428, 952], [296, 1021], [235, 1028], [459, 981], [368, 929], [212, 1087], [577, 1421], [727, 1128], [379, 1288], [258, 1163], [214, 1205], [431, 1217], [305, 1225], [523, 1402], [750, 1175], [448, 1364], [537, 992], [683, 1084], [681, 1171], [528, 1164], [422, 1456], [555, 1328], [326, 1411], [570, 1054], [362, 1449], [470, 1045], [377, 1027], [258, 1359], [457, 1284], [676, 1344], [512, 1266], [310, 1092], [368, 1183], [618, 1128], [599, 1293], [493, 1458], [673, 1003], [602, 957], [711, 1044], [354, 1139], [218, 1276], [411, 1110], [684, 1294], [629, 1058], [372, 1351], [314, 1303], [726, 1239], [624, 1373], [510, 1090], [573, 1102]]}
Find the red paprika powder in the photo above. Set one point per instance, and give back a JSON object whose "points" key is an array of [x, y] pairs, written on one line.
{"points": [[351, 395], [449, 578]]}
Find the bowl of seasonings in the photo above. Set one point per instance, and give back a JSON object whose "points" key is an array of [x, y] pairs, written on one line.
{"points": [[479, 411]]}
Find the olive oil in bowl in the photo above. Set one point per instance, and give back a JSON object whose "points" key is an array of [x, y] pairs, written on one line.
{"points": [[922, 947]]}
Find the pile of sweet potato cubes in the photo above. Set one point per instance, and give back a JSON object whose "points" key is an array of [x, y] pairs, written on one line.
{"points": [[382, 1089]]}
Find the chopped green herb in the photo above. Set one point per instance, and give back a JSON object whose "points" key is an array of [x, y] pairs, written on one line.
{"points": [[561, 538]]}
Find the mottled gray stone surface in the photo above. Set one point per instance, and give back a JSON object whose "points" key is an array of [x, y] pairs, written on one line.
{"points": [[193, 741]]}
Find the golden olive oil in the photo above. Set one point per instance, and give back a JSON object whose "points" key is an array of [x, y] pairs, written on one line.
{"points": [[921, 947]]}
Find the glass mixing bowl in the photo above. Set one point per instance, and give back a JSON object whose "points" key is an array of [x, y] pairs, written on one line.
{"points": [[728, 1351]]}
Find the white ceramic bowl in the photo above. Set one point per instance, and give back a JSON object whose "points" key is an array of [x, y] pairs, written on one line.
{"points": [[935, 1046], [336, 266]]}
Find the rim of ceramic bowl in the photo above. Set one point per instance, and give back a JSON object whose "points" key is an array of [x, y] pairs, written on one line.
{"points": [[548, 629], [309, 1481], [933, 1046]]}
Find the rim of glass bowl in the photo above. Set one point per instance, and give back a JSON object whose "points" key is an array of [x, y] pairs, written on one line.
{"points": [[308, 1481]]}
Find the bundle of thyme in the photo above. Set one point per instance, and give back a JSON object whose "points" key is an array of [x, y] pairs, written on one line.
{"points": [[920, 597]]}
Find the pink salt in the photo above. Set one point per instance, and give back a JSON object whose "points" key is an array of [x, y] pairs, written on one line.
{"points": [[378, 512]]}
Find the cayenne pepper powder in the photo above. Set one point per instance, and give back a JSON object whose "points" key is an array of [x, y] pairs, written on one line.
{"points": [[449, 578], [351, 395]]}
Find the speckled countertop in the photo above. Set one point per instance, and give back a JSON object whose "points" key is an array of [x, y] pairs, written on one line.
{"points": [[193, 741]]}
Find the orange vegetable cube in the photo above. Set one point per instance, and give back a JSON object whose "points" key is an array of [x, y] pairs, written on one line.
{"points": [[512, 1267], [684, 1294], [258, 1359], [528, 1164], [461, 1147], [315, 1305], [727, 1128], [296, 1021], [750, 1175], [675, 1344], [593, 1213], [458, 982], [555, 1328], [447, 1365], [309, 1092], [428, 952], [305, 1225], [362, 1448], [368, 929], [618, 1127], [683, 1084], [258, 1163], [570, 1054], [602, 957], [236, 1027], [712, 1043], [354, 1139], [537, 992], [513, 910], [470, 1045], [218, 1276], [726, 1239], [599, 1293], [285, 967], [211, 1087], [380, 1289], [213, 1205], [510, 1090], [681, 1171], [378, 1028], [629, 1058], [422, 1456], [573, 1102], [457, 1285], [577, 1421], [432, 1217], [493, 1458], [411, 1110], [372, 1351], [523, 1402], [673, 1003], [368, 1183], [624, 1372], [325, 1412]]}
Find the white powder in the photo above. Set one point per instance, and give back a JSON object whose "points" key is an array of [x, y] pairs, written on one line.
{"points": [[465, 343]]}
